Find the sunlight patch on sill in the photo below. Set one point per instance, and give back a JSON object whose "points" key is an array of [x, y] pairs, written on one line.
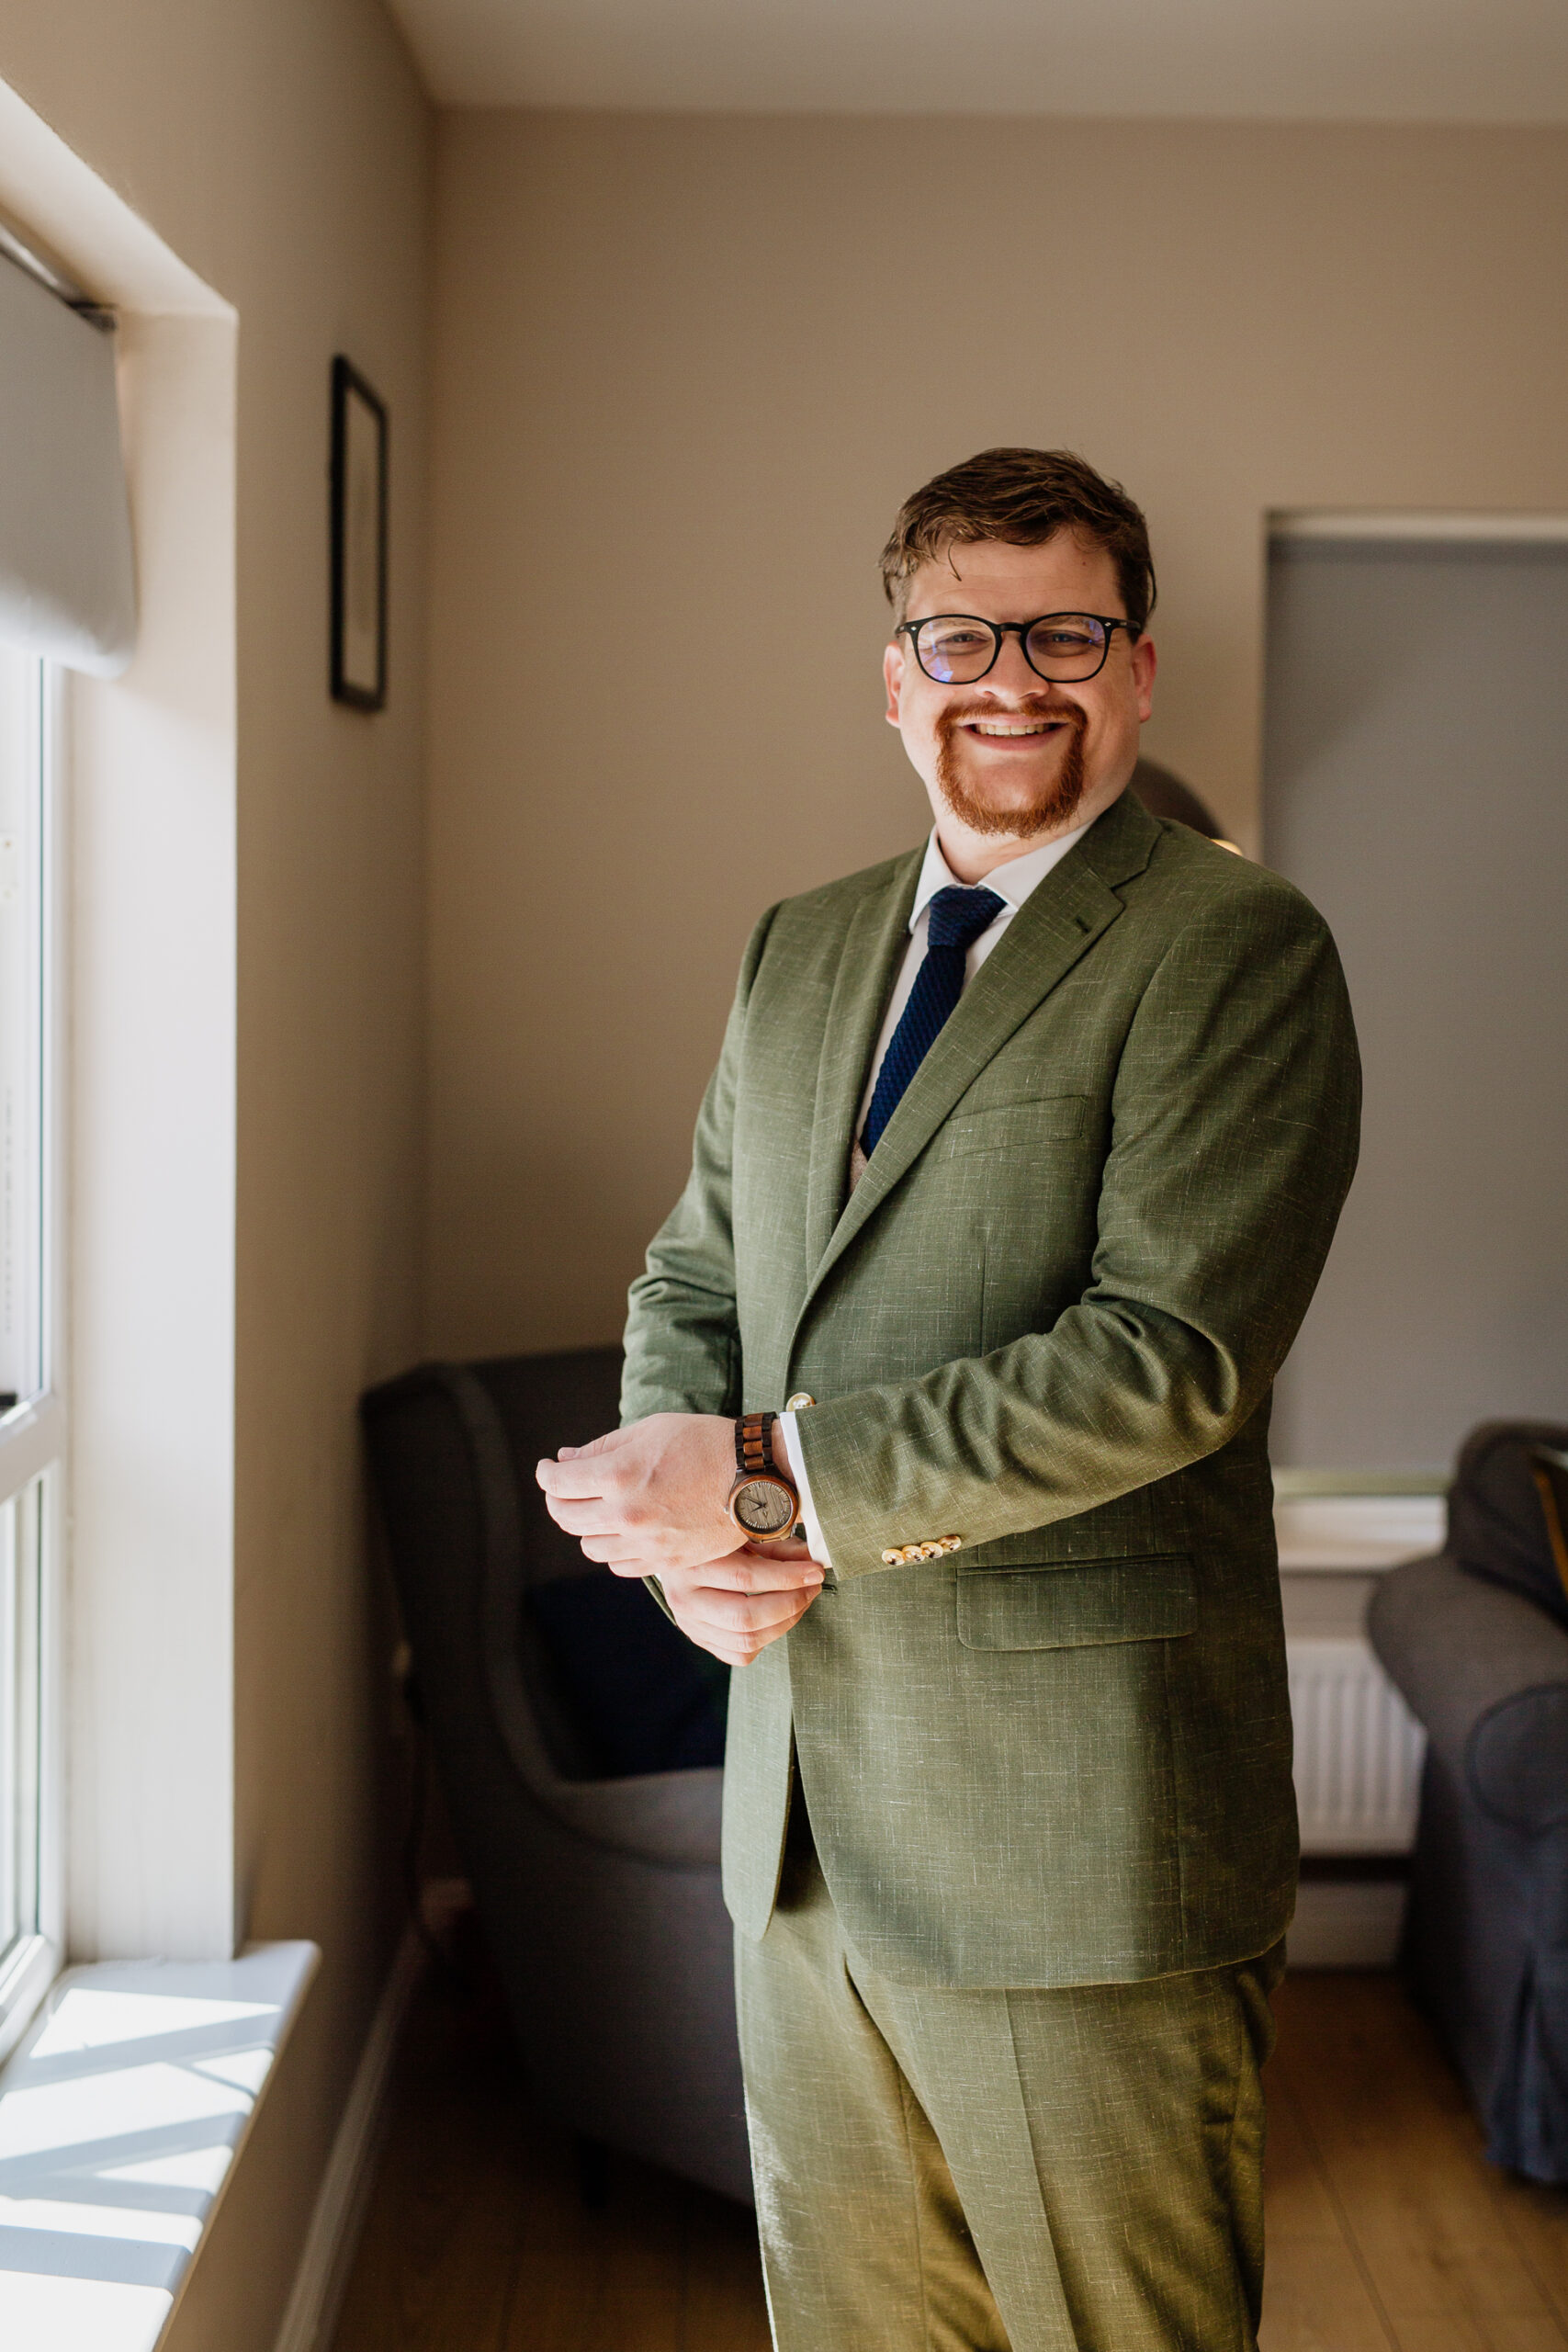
{"points": [[120, 2116]]}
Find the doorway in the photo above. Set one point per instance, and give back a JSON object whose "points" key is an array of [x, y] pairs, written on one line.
{"points": [[1416, 786]]}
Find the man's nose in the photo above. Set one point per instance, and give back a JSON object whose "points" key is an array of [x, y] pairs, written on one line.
{"points": [[1010, 673]]}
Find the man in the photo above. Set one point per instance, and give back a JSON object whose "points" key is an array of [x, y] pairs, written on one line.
{"points": [[1014, 1180]]}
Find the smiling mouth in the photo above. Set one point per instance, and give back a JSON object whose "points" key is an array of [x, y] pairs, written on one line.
{"points": [[1005, 728]]}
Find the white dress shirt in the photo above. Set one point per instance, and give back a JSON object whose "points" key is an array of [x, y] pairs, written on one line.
{"points": [[1012, 883]]}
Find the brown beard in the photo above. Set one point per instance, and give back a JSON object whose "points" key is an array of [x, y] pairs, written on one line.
{"points": [[1054, 805]]}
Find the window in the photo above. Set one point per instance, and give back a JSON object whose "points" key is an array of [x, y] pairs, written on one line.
{"points": [[21, 1597], [23, 730], [67, 603], [31, 1414]]}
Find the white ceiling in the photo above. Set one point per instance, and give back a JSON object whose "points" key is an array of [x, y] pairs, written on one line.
{"points": [[1402, 61]]}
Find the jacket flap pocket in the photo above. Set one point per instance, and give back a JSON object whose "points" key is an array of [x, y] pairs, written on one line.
{"points": [[1069, 1608], [1021, 1121]]}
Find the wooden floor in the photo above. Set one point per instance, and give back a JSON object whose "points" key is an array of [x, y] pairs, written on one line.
{"points": [[1387, 2232]]}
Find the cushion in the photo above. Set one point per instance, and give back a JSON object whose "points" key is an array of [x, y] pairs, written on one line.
{"points": [[1498, 1525], [647, 1699]]}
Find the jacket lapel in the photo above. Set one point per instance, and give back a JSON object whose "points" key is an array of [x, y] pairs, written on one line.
{"points": [[876, 938], [1060, 921]]}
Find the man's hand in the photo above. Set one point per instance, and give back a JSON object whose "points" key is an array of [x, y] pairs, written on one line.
{"points": [[650, 1500], [735, 1607]]}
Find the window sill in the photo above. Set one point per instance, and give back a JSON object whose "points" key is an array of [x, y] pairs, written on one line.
{"points": [[121, 2118]]}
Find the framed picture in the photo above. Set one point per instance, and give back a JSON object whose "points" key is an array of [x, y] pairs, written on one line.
{"points": [[359, 541]]}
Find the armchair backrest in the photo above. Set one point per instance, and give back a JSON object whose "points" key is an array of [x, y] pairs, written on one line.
{"points": [[452, 1449]]}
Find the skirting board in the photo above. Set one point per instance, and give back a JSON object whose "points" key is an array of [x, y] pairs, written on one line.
{"points": [[331, 2241], [1346, 1923]]}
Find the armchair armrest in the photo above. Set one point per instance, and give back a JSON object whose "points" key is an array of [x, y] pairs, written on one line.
{"points": [[1486, 1673]]}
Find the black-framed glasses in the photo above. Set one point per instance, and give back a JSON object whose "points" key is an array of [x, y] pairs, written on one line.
{"points": [[956, 648]]}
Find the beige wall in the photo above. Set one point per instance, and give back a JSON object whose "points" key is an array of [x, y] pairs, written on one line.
{"points": [[687, 368], [282, 148]]}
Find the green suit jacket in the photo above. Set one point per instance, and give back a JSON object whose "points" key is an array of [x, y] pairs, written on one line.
{"points": [[1046, 1321]]}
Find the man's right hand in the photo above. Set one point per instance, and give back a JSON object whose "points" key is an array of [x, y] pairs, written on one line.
{"points": [[734, 1606]]}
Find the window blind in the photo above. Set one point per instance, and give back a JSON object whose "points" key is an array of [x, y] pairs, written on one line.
{"points": [[67, 586]]}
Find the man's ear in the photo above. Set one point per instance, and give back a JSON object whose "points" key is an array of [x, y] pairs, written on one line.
{"points": [[893, 677], [1145, 661]]}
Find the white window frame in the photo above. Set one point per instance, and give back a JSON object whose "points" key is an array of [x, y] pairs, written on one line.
{"points": [[33, 1467], [159, 1843]]}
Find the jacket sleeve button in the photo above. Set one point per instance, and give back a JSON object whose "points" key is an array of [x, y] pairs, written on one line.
{"points": [[798, 1402], [892, 1559]]}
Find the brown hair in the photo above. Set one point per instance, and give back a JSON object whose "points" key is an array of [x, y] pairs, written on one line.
{"points": [[1022, 497]]}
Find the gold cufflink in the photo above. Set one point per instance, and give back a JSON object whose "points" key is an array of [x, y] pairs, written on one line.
{"points": [[798, 1402]]}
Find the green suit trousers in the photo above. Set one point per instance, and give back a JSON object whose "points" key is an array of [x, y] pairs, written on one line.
{"points": [[1046, 2170]]}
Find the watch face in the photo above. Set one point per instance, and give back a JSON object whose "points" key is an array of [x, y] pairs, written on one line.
{"points": [[763, 1507]]}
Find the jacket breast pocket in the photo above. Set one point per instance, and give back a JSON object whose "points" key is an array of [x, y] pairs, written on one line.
{"points": [[1094, 1602], [1018, 1125]]}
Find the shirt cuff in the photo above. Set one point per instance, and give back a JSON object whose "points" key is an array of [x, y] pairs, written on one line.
{"points": [[785, 1431]]}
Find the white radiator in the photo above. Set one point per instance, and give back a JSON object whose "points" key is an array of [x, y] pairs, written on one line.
{"points": [[1358, 1750]]}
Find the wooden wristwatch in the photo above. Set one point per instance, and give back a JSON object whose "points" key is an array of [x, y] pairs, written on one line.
{"points": [[763, 1501]]}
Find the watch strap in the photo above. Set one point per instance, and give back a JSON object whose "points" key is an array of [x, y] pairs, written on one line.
{"points": [[754, 1448]]}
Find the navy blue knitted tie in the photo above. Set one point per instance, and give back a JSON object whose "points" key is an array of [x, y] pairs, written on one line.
{"points": [[956, 918]]}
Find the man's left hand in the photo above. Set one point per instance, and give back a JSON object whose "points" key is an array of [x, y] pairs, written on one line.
{"points": [[650, 1497]]}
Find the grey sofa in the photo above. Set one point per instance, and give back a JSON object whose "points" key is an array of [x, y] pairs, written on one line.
{"points": [[599, 1896], [1475, 1640]]}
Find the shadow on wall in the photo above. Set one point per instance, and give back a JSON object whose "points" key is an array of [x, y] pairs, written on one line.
{"points": [[1163, 793]]}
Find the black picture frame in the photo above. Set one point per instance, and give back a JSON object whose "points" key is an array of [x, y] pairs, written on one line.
{"points": [[358, 540]]}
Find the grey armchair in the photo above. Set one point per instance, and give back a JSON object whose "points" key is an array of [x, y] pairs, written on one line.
{"points": [[1474, 1638], [600, 1896]]}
